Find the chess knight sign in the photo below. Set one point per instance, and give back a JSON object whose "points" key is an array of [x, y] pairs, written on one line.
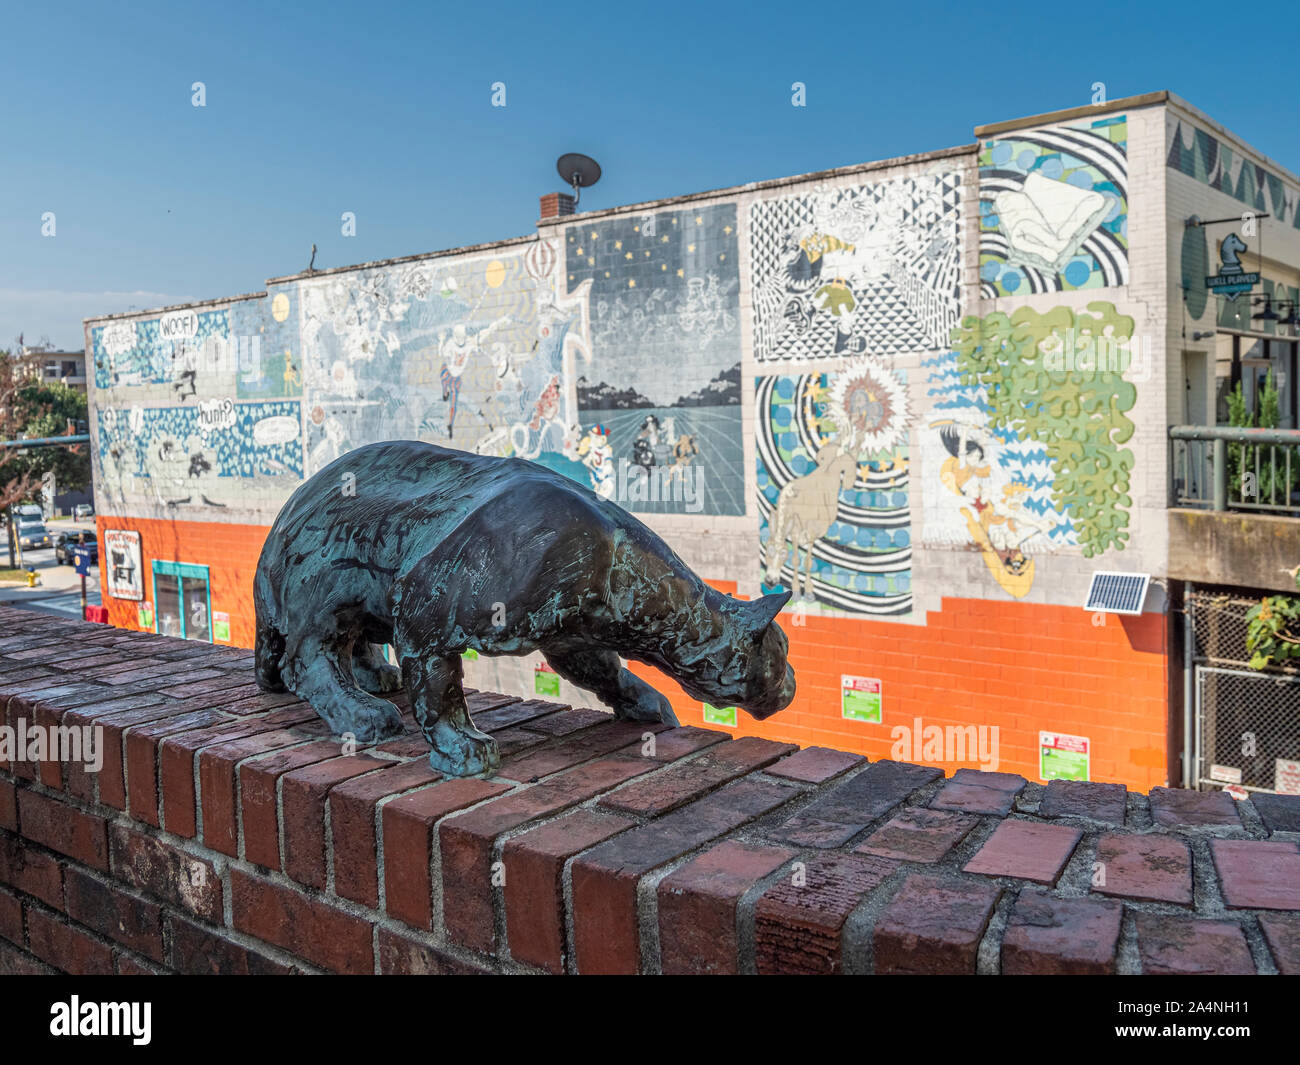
{"points": [[1232, 279]]}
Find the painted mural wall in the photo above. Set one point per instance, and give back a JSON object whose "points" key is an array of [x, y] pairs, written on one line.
{"points": [[886, 393], [1054, 209]]}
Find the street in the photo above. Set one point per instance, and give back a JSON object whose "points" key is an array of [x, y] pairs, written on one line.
{"points": [[59, 590]]}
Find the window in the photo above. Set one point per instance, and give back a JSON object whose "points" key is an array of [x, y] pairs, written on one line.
{"points": [[70, 370], [1248, 360], [182, 601]]}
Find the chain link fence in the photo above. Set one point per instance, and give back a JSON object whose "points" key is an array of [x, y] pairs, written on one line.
{"points": [[1247, 720]]}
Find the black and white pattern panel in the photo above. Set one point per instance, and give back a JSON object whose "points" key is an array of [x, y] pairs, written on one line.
{"points": [[864, 269]]}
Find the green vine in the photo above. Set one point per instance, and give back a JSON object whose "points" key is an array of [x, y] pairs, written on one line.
{"points": [[1058, 378]]}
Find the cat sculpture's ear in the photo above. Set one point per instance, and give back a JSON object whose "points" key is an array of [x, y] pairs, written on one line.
{"points": [[763, 611]]}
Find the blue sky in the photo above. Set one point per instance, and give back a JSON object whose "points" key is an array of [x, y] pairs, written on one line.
{"points": [[385, 110]]}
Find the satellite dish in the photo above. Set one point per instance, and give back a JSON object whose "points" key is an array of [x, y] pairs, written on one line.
{"points": [[579, 171]]}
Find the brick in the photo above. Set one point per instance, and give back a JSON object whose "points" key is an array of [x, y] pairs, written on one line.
{"points": [[353, 830], [8, 806], [1282, 933], [1026, 850], [918, 835], [798, 926], [305, 926], [685, 781], [68, 949], [408, 843], [303, 794], [534, 890], [1187, 945], [64, 829], [1049, 937], [218, 790], [975, 792], [141, 754], [176, 760], [606, 936], [569, 722], [17, 712], [166, 872], [466, 840], [401, 955], [512, 713], [111, 778], [259, 800], [1084, 798], [132, 922], [837, 817], [698, 906], [815, 765], [1180, 808], [128, 966], [1258, 874], [675, 743], [16, 962], [30, 871], [11, 918], [934, 925], [590, 743], [202, 951], [1149, 868], [1280, 813]]}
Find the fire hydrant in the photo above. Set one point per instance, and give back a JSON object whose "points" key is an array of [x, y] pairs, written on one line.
{"points": [[31, 578]]}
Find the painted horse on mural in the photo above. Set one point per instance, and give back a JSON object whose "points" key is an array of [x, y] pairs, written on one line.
{"points": [[437, 552], [805, 510]]}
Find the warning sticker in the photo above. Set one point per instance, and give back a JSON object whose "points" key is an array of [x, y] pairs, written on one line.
{"points": [[1063, 757], [861, 698]]}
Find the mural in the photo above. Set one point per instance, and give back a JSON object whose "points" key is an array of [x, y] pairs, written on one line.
{"points": [[1022, 447], [1054, 209], [1203, 156], [856, 270], [171, 349], [213, 454], [471, 353], [170, 429], [660, 399], [833, 488]]}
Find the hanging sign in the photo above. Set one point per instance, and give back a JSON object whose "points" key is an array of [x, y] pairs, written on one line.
{"points": [[1232, 279]]}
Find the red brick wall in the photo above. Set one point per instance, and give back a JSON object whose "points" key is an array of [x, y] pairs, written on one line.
{"points": [[227, 832], [1020, 667]]}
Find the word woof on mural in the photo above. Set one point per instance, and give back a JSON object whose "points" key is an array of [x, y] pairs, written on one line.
{"points": [[1022, 447], [833, 488], [173, 432], [1054, 209], [863, 269]]}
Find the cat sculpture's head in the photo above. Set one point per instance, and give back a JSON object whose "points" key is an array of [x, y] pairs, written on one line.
{"points": [[750, 670]]}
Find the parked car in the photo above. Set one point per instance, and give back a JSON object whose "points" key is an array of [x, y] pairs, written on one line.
{"points": [[82, 511], [33, 534], [66, 543]]}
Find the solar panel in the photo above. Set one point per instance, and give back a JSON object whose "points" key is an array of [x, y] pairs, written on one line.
{"points": [[1118, 593]]}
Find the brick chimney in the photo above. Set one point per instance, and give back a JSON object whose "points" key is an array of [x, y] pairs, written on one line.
{"points": [[556, 205]]}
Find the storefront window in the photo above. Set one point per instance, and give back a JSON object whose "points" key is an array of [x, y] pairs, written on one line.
{"points": [[184, 600], [1249, 360]]}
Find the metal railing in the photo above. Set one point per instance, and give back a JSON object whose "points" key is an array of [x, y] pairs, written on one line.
{"points": [[1226, 468]]}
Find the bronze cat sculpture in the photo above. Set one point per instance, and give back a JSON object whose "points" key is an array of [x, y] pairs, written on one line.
{"points": [[436, 552]]}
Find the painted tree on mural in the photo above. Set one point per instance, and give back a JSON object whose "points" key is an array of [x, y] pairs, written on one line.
{"points": [[1058, 378]]}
